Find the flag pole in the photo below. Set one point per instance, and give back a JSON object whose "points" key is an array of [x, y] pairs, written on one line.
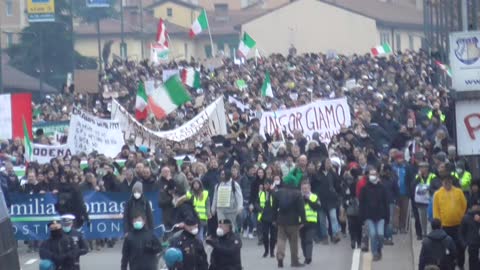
{"points": [[210, 34]]}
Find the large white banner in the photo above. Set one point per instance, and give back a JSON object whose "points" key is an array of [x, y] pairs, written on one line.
{"points": [[468, 127], [210, 122], [323, 116], [44, 153], [465, 60], [88, 133]]}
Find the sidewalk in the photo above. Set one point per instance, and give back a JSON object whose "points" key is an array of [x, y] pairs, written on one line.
{"points": [[416, 245]]}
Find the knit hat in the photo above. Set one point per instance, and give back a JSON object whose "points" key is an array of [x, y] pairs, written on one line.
{"points": [[137, 187], [293, 178]]}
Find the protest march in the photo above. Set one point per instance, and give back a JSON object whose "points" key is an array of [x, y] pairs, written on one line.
{"points": [[359, 159]]}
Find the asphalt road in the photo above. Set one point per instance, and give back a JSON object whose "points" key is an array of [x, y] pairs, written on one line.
{"points": [[333, 257]]}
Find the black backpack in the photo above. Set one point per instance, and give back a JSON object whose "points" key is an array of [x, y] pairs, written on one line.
{"points": [[438, 253]]}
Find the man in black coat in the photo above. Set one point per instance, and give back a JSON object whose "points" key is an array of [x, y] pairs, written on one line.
{"points": [[137, 203], [226, 253], [438, 249], [140, 248], [194, 255], [470, 234], [165, 197], [80, 245], [374, 211], [58, 250]]}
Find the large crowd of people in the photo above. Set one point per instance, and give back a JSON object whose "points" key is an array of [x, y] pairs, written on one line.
{"points": [[398, 157]]}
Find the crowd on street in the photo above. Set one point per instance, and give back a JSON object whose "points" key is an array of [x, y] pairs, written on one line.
{"points": [[398, 159]]}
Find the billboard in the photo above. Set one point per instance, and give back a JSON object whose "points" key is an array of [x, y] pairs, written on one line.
{"points": [[41, 10], [98, 3], [465, 60], [468, 127]]}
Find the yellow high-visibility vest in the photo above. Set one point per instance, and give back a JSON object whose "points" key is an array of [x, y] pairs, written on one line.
{"points": [[442, 116], [262, 197], [201, 206], [311, 214], [429, 179], [465, 180]]}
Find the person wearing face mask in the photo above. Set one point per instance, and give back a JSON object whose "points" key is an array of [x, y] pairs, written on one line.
{"points": [[463, 176], [226, 253], [79, 242], [58, 252], [374, 211], [194, 255], [137, 204], [141, 246]]}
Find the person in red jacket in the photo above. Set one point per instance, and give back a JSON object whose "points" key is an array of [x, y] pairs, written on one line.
{"points": [[360, 185]]}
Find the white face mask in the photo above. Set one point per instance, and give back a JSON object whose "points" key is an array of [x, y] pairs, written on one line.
{"points": [[137, 195], [194, 231], [220, 232], [459, 171], [373, 179]]}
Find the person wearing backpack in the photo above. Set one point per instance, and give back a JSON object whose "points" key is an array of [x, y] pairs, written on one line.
{"points": [[289, 216], [438, 249], [227, 200]]}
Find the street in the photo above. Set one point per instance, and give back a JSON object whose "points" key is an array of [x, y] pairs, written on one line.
{"points": [[336, 257]]}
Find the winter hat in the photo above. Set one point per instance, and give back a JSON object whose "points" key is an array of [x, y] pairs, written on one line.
{"points": [[137, 187]]}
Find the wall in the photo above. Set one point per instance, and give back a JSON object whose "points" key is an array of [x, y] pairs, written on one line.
{"points": [[404, 38], [313, 26], [181, 15], [13, 23]]}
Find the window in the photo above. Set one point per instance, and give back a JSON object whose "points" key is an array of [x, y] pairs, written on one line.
{"points": [[9, 39], [384, 37], [398, 42], [410, 42], [9, 7], [169, 12]]}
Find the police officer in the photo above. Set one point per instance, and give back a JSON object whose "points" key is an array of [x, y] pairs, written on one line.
{"points": [[78, 240], [226, 248], [307, 232], [57, 252], [194, 255], [140, 247]]}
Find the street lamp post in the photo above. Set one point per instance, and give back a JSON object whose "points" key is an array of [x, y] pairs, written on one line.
{"points": [[123, 45]]}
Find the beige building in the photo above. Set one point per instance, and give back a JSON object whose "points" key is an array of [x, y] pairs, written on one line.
{"points": [[12, 20], [345, 26]]}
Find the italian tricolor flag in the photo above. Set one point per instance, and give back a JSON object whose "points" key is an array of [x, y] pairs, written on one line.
{"points": [[141, 103], [246, 44], [27, 142], [267, 86], [200, 24], [14, 108], [382, 49], [168, 98], [444, 67], [191, 77]]}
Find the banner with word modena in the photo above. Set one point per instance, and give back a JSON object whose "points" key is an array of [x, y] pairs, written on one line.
{"points": [[468, 127], [44, 153], [30, 214], [88, 133], [326, 117], [41, 10]]}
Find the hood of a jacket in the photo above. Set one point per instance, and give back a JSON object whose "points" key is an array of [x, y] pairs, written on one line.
{"points": [[437, 235]]}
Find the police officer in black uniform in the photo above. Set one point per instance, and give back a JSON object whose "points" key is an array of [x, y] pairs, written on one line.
{"points": [[58, 251], [470, 234], [78, 240], [194, 255], [226, 248]]}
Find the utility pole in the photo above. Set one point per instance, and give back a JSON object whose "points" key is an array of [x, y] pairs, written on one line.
{"points": [[123, 45], [73, 38], [100, 62], [141, 30], [464, 15], [1, 60], [42, 68]]}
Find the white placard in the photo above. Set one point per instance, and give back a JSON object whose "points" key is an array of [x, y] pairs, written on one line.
{"points": [[209, 122], [468, 127], [465, 60], [323, 116], [88, 133], [44, 153], [238, 103]]}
